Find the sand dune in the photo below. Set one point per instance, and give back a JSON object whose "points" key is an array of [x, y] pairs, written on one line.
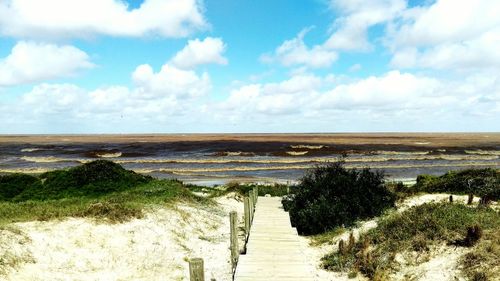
{"points": [[153, 248]]}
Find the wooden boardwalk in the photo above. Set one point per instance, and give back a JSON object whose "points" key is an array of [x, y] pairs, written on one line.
{"points": [[273, 248]]}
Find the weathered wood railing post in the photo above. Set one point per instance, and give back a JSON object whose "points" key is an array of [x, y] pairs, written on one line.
{"points": [[256, 194], [252, 206], [246, 205], [235, 251], [196, 270]]}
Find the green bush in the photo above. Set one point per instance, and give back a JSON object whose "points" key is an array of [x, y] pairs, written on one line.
{"points": [[273, 190], [331, 195], [421, 228], [14, 184], [91, 179], [480, 182]]}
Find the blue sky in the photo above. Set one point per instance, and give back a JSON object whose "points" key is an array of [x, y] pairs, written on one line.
{"points": [[171, 66]]}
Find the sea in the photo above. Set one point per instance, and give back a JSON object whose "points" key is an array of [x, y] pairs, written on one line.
{"points": [[285, 158]]}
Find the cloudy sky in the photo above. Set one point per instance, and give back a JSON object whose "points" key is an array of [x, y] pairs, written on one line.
{"points": [[170, 66]]}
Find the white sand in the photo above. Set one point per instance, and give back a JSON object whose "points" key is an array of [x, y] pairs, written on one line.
{"points": [[443, 260], [442, 264], [153, 248], [158, 246]]}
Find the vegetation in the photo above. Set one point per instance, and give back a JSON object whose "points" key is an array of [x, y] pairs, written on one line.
{"points": [[273, 190], [480, 182], [99, 189], [329, 196], [418, 229], [242, 189]]}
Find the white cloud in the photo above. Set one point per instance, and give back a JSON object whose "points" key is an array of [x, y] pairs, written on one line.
{"points": [[31, 62], [392, 90], [351, 28], [448, 21], [295, 52], [350, 33], [197, 52], [281, 98], [170, 81], [156, 100], [392, 101], [84, 18], [53, 98], [433, 37]]}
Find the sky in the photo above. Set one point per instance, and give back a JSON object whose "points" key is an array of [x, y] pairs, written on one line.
{"points": [[249, 66]]}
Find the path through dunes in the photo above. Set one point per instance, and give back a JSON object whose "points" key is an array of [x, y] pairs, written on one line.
{"points": [[273, 248]]}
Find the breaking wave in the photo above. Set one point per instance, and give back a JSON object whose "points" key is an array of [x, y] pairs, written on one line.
{"points": [[32, 149], [52, 159], [367, 159], [297, 153], [303, 146], [302, 167], [108, 154], [233, 153], [483, 152]]}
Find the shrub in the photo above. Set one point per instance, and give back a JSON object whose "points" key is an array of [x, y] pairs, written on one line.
{"points": [[331, 195], [273, 190], [480, 182], [14, 184], [474, 233], [420, 229], [91, 179]]}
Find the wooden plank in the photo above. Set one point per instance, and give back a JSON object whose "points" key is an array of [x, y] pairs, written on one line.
{"points": [[273, 249], [196, 271]]}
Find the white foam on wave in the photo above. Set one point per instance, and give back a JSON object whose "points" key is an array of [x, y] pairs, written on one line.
{"points": [[52, 159], [109, 154], [388, 152], [191, 171], [297, 153], [32, 149], [307, 146], [483, 152]]}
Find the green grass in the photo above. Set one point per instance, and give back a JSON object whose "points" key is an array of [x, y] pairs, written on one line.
{"points": [[100, 189], [116, 207], [243, 189], [417, 229], [480, 182]]}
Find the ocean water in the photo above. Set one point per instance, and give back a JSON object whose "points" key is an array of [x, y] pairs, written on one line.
{"points": [[210, 162]]}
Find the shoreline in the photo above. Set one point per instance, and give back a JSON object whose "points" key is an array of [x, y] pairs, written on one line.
{"points": [[411, 139]]}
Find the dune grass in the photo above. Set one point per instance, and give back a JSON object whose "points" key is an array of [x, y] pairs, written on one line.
{"points": [[116, 207], [418, 229], [244, 188], [99, 189]]}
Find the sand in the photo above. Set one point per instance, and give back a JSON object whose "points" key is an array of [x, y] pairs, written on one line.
{"points": [[156, 247], [442, 263]]}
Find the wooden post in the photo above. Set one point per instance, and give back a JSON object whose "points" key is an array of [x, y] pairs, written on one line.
{"points": [[233, 222], [451, 198], [256, 194], [196, 271], [251, 205], [470, 199], [342, 249], [246, 204]]}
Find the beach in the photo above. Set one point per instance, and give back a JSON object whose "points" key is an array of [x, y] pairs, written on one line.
{"points": [[212, 159]]}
